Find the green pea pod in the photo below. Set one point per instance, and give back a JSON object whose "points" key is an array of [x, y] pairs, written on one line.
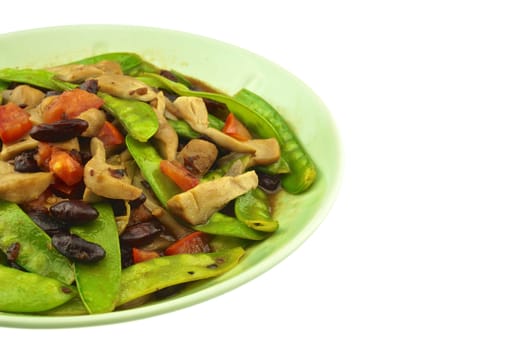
{"points": [[36, 252], [224, 225], [137, 117], [147, 159], [183, 128], [303, 171], [98, 283], [30, 292], [36, 77], [219, 243], [276, 168], [131, 63], [73, 307], [146, 277], [3, 86], [252, 208]]}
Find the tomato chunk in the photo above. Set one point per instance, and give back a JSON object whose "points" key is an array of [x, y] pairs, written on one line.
{"points": [[65, 167], [14, 122], [234, 128], [110, 135], [140, 255], [196, 242], [179, 174], [70, 104]]}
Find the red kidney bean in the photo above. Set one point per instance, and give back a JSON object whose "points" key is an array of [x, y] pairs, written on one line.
{"points": [[268, 183], [74, 211], [47, 223], [59, 131], [77, 249], [25, 162], [142, 233]]}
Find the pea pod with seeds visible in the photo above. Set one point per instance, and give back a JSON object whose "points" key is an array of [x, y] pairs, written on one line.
{"points": [[183, 128], [36, 253], [137, 117], [36, 77], [252, 208], [30, 292], [146, 277], [98, 283]]}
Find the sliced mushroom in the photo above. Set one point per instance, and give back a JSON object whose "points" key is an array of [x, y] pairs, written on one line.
{"points": [[95, 118], [22, 187], [25, 95], [198, 156], [125, 86], [75, 73], [109, 67], [194, 112], [10, 150], [198, 204], [166, 138], [107, 180]]}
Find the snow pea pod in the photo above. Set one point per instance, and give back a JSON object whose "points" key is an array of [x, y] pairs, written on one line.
{"points": [[303, 171], [3, 86], [36, 77], [148, 160], [36, 252], [146, 277], [98, 283], [138, 118], [183, 128], [31, 292], [252, 208], [224, 225]]}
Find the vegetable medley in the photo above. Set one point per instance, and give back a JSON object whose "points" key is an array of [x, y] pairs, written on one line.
{"points": [[121, 182]]}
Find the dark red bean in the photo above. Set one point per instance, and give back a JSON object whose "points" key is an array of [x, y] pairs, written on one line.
{"points": [[269, 183], [90, 85], [74, 211], [77, 249], [138, 201], [25, 162], [141, 233], [59, 131], [47, 223]]}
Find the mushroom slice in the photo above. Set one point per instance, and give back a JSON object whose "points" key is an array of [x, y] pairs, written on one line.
{"points": [[75, 73], [95, 118], [107, 180], [10, 150], [25, 95], [166, 138], [22, 187], [125, 86], [198, 204], [198, 156], [267, 151]]}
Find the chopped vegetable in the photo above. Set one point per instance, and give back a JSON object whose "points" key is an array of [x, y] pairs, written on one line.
{"points": [[65, 167], [14, 122], [179, 174], [234, 128], [70, 104], [194, 243]]}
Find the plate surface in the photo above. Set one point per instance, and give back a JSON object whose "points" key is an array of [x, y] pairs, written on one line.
{"points": [[227, 68]]}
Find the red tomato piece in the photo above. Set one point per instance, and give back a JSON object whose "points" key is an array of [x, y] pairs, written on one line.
{"points": [[110, 135], [179, 174], [140, 255], [65, 167], [14, 122], [70, 104], [234, 128], [196, 242]]}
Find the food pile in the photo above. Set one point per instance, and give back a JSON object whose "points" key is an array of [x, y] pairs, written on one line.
{"points": [[121, 182]]}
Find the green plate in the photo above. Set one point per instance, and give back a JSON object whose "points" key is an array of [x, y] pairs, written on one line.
{"points": [[227, 68]]}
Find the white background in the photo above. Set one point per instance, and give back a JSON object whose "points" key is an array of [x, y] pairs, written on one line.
{"points": [[425, 247]]}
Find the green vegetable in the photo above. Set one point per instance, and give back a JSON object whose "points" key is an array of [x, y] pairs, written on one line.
{"points": [[99, 283], [73, 307], [148, 159], [29, 292], [146, 277], [303, 171], [36, 251], [183, 128], [279, 167], [131, 63], [137, 117], [252, 208], [3, 86], [36, 77], [221, 224]]}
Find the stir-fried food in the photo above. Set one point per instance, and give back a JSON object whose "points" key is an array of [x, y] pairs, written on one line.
{"points": [[121, 183]]}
